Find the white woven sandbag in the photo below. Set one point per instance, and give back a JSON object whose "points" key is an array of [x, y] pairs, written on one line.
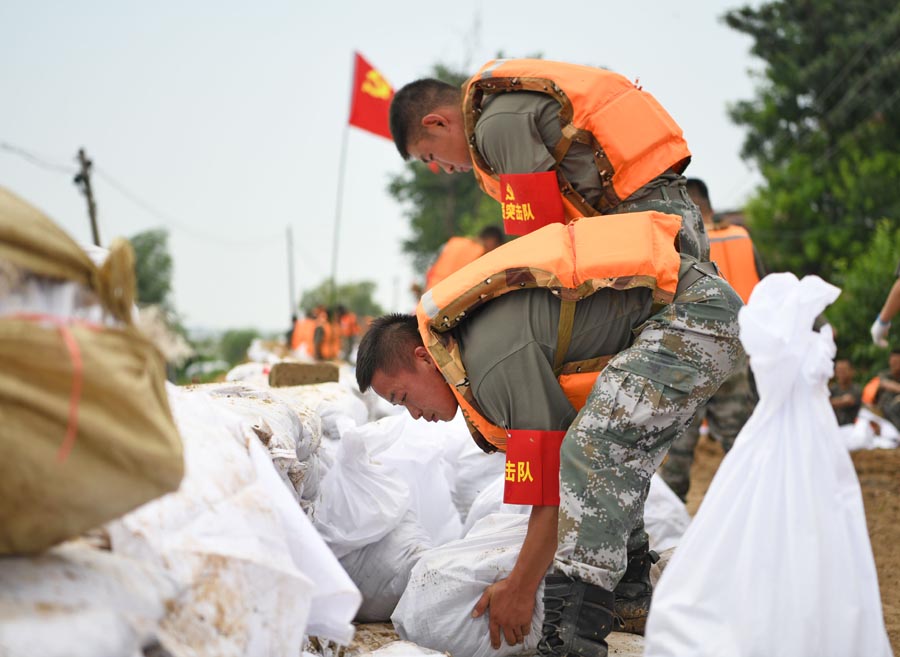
{"points": [[414, 450], [777, 561], [400, 649], [276, 425], [77, 601], [490, 501], [251, 563], [330, 401], [381, 569], [436, 608], [360, 500], [469, 469]]}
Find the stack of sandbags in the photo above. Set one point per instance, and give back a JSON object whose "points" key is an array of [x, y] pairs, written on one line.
{"points": [[292, 437], [256, 575]]}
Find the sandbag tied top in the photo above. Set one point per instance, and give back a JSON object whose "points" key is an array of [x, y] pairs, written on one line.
{"points": [[777, 561], [777, 333], [32, 241]]}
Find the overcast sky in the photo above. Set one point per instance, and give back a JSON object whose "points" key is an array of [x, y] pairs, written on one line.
{"points": [[225, 118]]}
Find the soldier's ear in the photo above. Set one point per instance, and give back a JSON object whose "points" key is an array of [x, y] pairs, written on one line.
{"points": [[434, 120], [421, 353]]}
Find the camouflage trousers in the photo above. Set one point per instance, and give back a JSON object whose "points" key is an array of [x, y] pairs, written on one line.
{"points": [[668, 194], [726, 412], [640, 403]]}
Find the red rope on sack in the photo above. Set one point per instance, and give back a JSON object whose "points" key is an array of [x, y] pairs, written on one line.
{"points": [[77, 381], [74, 350]]}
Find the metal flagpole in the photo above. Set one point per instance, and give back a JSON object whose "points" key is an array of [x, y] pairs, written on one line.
{"points": [[290, 255], [342, 165], [337, 215]]}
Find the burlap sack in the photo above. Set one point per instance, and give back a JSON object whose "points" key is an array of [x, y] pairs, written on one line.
{"points": [[123, 448]]}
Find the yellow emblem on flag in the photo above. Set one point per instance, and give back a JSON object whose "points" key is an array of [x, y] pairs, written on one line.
{"points": [[376, 86], [509, 194]]}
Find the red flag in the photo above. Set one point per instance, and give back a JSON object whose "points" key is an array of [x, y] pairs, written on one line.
{"points": [[532, 467], [530, 201], [371, 99]]}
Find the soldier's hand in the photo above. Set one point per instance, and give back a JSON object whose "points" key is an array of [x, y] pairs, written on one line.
{"points": [[879, 332]]}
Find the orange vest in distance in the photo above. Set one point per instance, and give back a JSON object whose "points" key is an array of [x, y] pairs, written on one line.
{"points": [[732, 250]]}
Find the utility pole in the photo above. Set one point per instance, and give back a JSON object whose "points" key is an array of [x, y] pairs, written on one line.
{"points": [[83, 180], [290, 255]]}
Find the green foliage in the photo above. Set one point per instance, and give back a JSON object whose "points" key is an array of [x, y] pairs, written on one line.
{"points": [[354, 296], [153, 267], [865, 282], [234, 344], [824, 128], [438, 205]]}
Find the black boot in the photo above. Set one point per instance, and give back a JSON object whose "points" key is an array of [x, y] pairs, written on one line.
{"points": [[634, 591], [577, 618]]}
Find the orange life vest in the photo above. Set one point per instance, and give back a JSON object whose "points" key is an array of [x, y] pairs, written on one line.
{"points": [[457, 252], [732, 250], [330, 346], [633, 138], [349, 325], [304, 330], [574, 261]]}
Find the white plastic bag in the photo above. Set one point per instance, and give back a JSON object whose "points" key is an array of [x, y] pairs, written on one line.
{"points": [[413, 449], [360, 501], [777, 561], [436, 608], [469, 469], [381, 569], [489, 502]]}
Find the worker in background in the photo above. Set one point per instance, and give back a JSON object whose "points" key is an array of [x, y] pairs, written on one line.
{"points": [[349, 330], [882, 324], [730, 407], [460, 251], [845, 393]]}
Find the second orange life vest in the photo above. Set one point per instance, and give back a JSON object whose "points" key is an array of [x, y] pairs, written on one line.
{"points": [[573, 261]]}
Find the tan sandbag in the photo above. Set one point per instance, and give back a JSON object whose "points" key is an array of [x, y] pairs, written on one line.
{"points": [[123, 448]]}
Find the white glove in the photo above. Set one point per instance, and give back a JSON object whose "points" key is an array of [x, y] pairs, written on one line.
{"points": [[879, 332]]}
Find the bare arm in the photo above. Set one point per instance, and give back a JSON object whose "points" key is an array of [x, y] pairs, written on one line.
{"points": [[511, 600], [891, 304]]}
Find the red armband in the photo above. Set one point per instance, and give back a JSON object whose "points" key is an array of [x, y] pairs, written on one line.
{"points": [[532, 467], [530, 201]]}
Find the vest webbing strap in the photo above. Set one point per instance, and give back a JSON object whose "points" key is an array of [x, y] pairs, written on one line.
{"points": [[564, 334]]}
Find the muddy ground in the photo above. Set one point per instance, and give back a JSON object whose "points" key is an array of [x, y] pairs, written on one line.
{"points": [[879, 475]]}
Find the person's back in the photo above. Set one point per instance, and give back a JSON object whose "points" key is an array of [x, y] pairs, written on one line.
{"points": [[457, 252]]}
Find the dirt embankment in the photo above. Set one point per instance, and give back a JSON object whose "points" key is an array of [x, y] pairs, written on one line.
{"points": [[879, 476]]}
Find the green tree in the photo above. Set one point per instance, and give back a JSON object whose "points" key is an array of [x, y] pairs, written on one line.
{"points": [[824, 128], [354, 296], [440, 206], [153, 267], [864, 283], [234, 344]]}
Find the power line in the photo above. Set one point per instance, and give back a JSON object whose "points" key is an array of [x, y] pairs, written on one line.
{"points": [[173, 222], [37, 160]]}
